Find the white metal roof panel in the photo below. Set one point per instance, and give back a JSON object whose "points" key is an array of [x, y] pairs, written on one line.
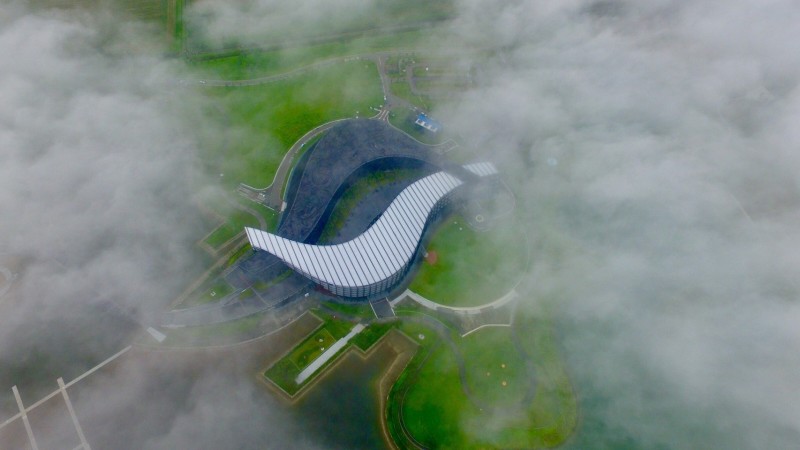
{"points": [[483, 169]]}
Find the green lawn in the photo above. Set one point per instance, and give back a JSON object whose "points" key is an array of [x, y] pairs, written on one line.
{"points": [[362, 310], [285, 370], [244, 250], [438, 414], [403, 90], [435, 409], [264, 121], [421, 334], [496, 372], [234, 225], [473, 268], [370, 335], [311, 348], [373, 20], [255, 64], [338, 327], [555, 407], [236, 219], [270, 216]]}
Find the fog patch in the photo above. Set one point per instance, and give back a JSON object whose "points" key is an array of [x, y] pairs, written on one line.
{"points": [[666, 224], [95, 184]]}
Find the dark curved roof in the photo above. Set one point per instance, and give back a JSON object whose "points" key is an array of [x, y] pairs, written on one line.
{"points": [[343, 150]]}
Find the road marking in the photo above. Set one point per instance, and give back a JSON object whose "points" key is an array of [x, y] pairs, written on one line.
{"points": [[54, 393], [99, 366], [78, 428], [25, 418], [157, 335]]}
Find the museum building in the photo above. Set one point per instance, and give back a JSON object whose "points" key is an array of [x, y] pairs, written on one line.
{"points": [[376, 260]]}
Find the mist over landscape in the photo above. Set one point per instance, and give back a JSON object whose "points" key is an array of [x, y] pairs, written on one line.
{"points": [[651, 145], [675, 196], [95, 181]]}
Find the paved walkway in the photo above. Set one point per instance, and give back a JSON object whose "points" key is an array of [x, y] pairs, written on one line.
{"points": [[511, 295], [323, 358], [272, 194]]}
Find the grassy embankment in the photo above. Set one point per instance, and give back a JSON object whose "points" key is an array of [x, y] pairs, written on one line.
{"points": [[430, 402], [236, 219], [472, 267], [285, 370]]}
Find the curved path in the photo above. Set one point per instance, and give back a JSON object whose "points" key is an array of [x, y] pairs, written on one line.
{"points": [[273, 194], [347, 148], [509, 296]]}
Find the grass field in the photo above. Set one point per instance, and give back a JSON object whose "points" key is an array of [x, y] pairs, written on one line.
{"points": [[434, 408], [269, 215], [234, 224], [403, 90], [438, 414], [234, 209], [285, 370], [373, 18], [262, 122], [242, 251], [361, 310], [473, 268], [370, 335], [496, 373], [311, 348], [254, 64], [237, 220]]}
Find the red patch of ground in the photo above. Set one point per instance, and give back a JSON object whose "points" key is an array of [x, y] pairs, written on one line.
{"points": [[431, 257]]}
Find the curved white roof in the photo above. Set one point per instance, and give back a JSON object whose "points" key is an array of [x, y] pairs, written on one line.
{"points": [[483, 169], [377, 254]]}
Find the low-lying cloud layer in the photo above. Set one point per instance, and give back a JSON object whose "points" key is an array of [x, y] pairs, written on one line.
{"points": [[654, 146], [95, 183], [671, 134]]}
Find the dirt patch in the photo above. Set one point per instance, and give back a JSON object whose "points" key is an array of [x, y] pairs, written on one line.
{"points": [[431, 257]]}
